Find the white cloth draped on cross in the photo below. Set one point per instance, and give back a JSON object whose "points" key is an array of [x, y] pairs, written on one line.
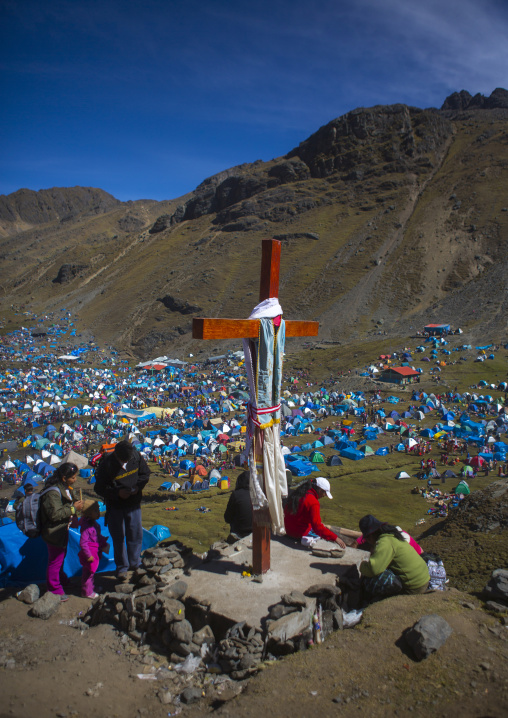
{"points": [[263, 362]]}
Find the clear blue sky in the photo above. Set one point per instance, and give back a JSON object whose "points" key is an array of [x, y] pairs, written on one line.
{"points": [[147, 98]]}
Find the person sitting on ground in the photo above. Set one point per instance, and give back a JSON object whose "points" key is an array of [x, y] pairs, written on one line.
{"points": [[302, 515], [394, 564], [238, 513]]}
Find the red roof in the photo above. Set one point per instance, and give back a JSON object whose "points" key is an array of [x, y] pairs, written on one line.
{"points": [[404, 370]]}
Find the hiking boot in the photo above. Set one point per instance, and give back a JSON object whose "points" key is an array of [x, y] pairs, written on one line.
{"points": [[92, 595], [63, 597]]}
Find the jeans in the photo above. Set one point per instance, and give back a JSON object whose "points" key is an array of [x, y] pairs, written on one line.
{"points": [[127, 535]]}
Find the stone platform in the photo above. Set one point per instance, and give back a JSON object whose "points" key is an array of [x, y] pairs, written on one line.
{"points": [[219, 580]]}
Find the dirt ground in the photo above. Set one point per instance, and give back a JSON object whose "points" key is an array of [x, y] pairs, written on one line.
{"points": [[51, 669]]}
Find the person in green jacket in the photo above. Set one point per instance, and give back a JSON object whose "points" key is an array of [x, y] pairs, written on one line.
{"points": [[394, 564], [56, 508]]}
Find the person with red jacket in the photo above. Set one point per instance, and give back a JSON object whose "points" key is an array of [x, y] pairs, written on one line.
{"points": [[302, 511]]}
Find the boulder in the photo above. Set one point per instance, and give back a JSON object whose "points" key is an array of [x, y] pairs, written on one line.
{"points": [[182, 631], [45, 606], [291, 625], [428, 635], [497, 587]]}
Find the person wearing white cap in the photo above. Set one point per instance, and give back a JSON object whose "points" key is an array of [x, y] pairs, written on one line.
{"points": [[302, 511]]}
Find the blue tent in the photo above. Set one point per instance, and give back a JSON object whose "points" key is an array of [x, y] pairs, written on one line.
{"points": [[353, 454], [160, 532]]}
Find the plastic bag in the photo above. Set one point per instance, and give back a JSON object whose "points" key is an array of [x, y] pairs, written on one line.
{"points": [[190, 665], [352, 618]]}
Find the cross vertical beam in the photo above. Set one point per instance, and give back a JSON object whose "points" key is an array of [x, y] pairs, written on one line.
{"points": [[206, 328]]}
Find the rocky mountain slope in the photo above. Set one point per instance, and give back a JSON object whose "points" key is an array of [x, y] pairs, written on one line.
{"points": [[389, 215]]}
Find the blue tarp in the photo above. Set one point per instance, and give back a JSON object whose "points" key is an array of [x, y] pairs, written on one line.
{"points": [[24, 560]]}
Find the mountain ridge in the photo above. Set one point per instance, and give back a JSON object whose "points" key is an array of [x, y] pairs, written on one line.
{"points": [[387, 215]]}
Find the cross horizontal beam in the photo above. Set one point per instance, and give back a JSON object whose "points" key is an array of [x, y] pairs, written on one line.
{"points": [[204, 328]]}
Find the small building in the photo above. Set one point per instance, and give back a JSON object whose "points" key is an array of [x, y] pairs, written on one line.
{"points": [[437, 330], [400, 375]]}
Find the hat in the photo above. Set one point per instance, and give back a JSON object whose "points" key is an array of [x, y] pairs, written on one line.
{"points": [[324, 484], [369, 524], [87, 505]]}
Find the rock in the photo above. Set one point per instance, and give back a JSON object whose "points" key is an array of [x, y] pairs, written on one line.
{"points": [[29, 594], [204, 635], [45, 606], [427, 635], [165, 569], [236, 630], [292, 624], [165, 697], [190, 695], [280, 610], [173, 610], [156, 552], [338, 620], [124, 588], [322, 589], [175, 304], [327, 624], [248, 661], [182, 631], [497, 587], [67, 272], [176, 590], [149, 561], [295, 598], [496, 607], [146, 581], [144, 590]]}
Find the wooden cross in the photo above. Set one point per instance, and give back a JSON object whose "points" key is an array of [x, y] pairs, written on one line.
{"points": [[204, 328]]}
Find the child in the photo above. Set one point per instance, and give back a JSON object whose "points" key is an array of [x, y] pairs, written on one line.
{"points": [[92, 544]]}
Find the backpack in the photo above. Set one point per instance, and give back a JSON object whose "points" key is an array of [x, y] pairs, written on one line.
{"points": [[437, 571], [28, 517]]}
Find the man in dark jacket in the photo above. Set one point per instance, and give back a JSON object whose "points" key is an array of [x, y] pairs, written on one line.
{"points": [[239, 509], [119, 480]]}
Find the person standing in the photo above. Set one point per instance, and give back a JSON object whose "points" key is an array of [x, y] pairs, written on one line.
{"points": [[57, 508], [120, 478], [92, 543]]}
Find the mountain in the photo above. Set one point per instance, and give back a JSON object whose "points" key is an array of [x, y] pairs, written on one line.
{"points": [[389, 216]]}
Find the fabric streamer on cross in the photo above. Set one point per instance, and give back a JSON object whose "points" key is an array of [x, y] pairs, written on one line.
{"points": [[263, 362]]}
